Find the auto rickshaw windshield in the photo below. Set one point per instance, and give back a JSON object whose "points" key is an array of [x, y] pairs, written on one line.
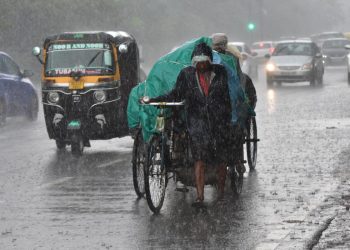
{"points": [[87, 58]]}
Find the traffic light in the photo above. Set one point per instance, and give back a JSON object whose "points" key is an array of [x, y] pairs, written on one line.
{"points": [[251, 26]]}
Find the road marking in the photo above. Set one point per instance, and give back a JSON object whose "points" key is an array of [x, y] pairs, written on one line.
{"points": [[56, 182], [108, 164]]}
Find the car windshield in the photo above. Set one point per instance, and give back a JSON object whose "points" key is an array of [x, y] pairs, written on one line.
{"points": [[87, 58], [333, 44], [261, 46], [295, 49]]}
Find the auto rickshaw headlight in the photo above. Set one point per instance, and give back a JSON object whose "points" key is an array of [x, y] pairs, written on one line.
{"points": [[123, 48], [36, 51], [53, 97], [99, 96]]}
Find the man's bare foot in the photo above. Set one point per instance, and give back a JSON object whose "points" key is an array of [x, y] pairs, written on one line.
{"points": [[198, 203]]}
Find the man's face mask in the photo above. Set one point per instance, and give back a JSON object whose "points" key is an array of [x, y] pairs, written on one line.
{"points": [[203, 66]]}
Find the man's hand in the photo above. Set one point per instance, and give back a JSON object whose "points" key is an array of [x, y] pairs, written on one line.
{"points": [[144, 100]]}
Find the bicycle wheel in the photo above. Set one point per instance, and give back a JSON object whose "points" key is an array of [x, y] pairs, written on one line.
{"points": [[155, 174], [252, 142], [138, 162]]}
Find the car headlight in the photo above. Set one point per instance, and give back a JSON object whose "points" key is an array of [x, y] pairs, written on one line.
{"points": [[53, 97], [270, 67], [307, 66], [99, 96]]}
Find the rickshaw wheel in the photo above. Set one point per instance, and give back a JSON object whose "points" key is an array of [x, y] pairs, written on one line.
{"points": [[236, 181], [77, 145], [155, 174], [252, 142], [138, 164], [60, 144]]}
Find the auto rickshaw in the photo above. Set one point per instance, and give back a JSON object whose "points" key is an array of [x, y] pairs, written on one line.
{"points": [[86, 81]]}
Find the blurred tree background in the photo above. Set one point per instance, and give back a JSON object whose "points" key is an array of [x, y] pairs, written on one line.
{"points": [[160, 25]]}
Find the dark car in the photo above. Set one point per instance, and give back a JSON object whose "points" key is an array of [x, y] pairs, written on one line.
{"points": [[320, 38], [295, 61], [334, 50], [17, 93]]}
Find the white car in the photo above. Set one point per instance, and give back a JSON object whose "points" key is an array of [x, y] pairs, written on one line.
{"points": [[262, 49], [248, 64], [295, 61]]}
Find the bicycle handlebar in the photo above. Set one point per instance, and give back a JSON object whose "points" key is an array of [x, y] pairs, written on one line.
{"points": [[167, 104]]}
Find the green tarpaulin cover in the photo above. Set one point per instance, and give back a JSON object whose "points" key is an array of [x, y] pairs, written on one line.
{"points": [[162, 79]]}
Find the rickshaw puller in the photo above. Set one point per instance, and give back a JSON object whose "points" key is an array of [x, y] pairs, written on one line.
{"points": [[204, 88]]}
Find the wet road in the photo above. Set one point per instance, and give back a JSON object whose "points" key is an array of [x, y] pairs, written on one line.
{"points": [[51, 200]]}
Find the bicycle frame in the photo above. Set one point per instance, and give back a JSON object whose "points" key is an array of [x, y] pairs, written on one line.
{"points": [[160, 125]]}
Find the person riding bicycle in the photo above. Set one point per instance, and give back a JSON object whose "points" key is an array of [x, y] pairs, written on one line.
{"points": [[204, 88]]}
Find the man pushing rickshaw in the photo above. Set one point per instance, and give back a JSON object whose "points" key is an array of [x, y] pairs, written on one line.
{"points": [[206, 90]]}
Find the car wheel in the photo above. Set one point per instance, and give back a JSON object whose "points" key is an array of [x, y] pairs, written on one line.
{"points": [[2, 112], [32, 113]]}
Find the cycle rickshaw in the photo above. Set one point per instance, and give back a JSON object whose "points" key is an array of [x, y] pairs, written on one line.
{"points": [[168, 156], [165, 153]]}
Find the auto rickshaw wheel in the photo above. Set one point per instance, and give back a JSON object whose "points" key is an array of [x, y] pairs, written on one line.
{"points": [[77, 145], [2, 112], [138, 164], [60, 144], [155, 174]]}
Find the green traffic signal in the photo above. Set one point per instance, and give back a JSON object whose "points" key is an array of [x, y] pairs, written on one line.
{"points": [[251, 26]]}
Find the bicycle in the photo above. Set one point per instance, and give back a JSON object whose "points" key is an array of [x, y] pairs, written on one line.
{"points": [[252, 142]]}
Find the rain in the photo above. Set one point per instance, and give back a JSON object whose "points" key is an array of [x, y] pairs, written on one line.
{"points": [[92, 158]]}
